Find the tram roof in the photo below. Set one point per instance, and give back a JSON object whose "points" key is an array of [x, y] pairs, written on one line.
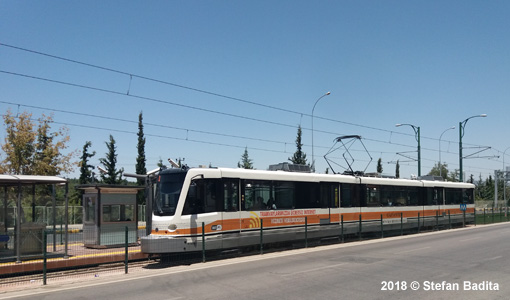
{"points": [[315, 177]]}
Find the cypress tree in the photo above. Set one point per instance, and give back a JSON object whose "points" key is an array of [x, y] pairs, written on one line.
{"points": [[299, 156], [85, 167], [112, 176], [140, 159], [246, 162]]}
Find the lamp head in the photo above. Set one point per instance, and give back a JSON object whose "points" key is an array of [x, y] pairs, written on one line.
{"points": [[102, 170]]}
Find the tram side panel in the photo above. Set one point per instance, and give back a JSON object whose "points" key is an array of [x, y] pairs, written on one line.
{"points": [[234, 210]]}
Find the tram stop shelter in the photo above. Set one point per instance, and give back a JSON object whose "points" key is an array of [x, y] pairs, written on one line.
{"points": [[107, 211], [20, 238]]}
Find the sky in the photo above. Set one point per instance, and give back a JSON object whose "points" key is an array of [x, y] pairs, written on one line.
{"points": [[213, 78]]}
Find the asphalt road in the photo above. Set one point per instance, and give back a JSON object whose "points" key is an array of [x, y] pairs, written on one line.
{"points": [[421, 266]]}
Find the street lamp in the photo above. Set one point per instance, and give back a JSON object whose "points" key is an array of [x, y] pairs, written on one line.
{"points": [[417, 136], [313, 156], [440, 167], [461, 134], [504, 178]]}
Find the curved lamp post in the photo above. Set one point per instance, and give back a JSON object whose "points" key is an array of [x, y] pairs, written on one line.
{"points": [[313, 157], [461, 134], [440, 167], [417, 136]]}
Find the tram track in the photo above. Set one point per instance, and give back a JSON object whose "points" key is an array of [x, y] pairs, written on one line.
{"points": [[60, 274]]}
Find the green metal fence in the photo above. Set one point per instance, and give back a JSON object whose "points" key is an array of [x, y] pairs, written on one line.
{"points": [[44, 249]]}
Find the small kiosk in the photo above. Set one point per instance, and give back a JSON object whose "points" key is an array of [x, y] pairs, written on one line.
{"points": [[107, 211]]}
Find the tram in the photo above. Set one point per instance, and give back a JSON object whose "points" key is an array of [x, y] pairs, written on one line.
{"points": [[228, 207]]}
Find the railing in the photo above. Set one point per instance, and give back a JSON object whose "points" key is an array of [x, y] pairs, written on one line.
{"points": [[118, 250], [44, 214], [492, 215]]}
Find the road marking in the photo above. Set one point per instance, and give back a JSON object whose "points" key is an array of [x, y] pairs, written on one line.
{"points": [[313, 270], [401, 252], [465, 240], [493, 258]]}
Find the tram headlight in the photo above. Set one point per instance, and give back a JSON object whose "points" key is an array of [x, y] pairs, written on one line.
{"points": [[172, 227]]}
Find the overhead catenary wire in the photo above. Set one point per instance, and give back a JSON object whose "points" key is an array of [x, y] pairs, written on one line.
{"points": [[181, 139], [205, 92], [185, 106], [145, 123], [131, 75], [208, 142], [182, 105]]}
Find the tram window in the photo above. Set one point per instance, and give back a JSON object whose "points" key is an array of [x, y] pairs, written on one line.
{"points": [[204, 198], [329, 195], [284, 195], [468, 196], [453, 196], [435, 196], [336, 196], [345, 190], [400, 196], [307, 195], [413, 196], [231, 194], [350, 195], [387, 196], [257, 195], [373, 196]]}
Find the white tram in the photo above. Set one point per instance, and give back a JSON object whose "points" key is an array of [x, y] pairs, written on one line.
{"points": [[233, 204]]}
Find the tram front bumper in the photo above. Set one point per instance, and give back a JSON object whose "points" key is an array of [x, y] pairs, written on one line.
{"points": [[154, 244]]}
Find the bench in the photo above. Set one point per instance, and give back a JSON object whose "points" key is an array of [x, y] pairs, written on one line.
{"points": [[4, 238]]}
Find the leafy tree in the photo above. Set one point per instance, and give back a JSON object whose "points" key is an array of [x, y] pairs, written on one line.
{"points": [[49, 159], [454, 175], [379, 166], [397, 170], [86, 175], [442, 170], [19, 145], [32, 149], [112, 176], [140, 159], [246, 162], [485, 189], [439, 170], [299, 156]]}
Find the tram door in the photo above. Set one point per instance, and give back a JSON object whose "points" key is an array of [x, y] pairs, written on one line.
{"points": [[231, 214], [330, 200], [436, 200]]}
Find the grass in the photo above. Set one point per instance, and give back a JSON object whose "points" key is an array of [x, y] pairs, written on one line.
{"points": [[490, 217]]}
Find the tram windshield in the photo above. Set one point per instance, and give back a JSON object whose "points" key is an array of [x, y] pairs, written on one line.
{"points": [[168, 191]]}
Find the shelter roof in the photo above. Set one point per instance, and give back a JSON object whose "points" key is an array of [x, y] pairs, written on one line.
{"points": [[14, 180]]}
